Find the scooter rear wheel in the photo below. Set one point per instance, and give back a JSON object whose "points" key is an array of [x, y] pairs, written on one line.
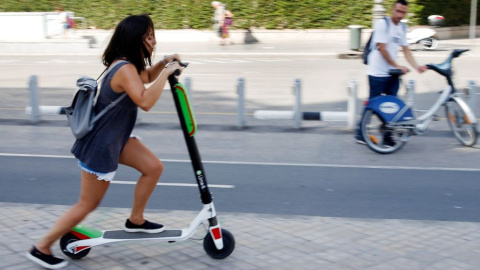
{"points": [[70, 238], [228, 245]]}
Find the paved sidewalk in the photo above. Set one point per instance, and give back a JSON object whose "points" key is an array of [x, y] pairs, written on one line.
{"points": [[262, 242]]}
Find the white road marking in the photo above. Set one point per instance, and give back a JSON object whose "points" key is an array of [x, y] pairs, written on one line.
{"points": [[281, 164], [214, 61], [173, 184]]}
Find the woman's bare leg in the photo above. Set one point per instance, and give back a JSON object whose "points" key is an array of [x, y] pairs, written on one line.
{"points": [[91, 194], [138, 156]]}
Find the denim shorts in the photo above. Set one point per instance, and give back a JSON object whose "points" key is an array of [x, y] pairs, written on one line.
{"points": [[100, 176]]}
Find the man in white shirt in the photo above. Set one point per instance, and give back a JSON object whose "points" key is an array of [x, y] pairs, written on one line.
{"points": [[389, 35]]}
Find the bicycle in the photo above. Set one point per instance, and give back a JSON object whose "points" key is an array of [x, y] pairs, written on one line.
{"points": [[389, 123]]}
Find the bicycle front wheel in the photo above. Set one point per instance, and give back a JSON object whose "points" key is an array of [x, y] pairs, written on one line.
{"points": [[378, 137], [461, 126]]}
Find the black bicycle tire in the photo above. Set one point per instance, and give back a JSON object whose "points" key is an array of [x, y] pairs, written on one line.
{"points": [[372, 145], [473, 132]]}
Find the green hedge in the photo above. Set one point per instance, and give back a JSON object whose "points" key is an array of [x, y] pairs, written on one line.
{"points": [[269, 14]]}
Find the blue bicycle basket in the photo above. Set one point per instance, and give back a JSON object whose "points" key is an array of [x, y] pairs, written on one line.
{"points": [[390, 108]]}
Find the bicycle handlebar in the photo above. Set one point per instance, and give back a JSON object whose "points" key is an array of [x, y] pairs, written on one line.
{"points": [[458, 52], [445, 68], [446, 65]]}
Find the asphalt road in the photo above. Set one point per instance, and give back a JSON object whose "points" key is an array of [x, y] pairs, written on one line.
{"points": [[382, 193]]}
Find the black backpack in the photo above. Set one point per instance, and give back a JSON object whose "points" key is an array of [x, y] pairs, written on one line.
{"points": [[368, 47]]}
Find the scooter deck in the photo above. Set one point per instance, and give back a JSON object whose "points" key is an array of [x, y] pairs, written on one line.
{"points": [[121, 234]]}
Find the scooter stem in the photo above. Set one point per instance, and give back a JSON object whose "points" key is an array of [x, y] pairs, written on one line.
{"points": [[198, 170]]}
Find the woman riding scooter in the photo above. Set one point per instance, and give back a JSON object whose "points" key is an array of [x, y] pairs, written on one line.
{"points": [[111, 141]]}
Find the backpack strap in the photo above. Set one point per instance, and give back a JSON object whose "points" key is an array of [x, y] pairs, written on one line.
{"points": [[388, 23], [115, 102], [388, 28], [108, 69], [108, 107]]}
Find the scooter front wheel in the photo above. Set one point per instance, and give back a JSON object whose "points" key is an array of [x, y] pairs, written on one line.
{"points": [[70, 238], [228, 245]]}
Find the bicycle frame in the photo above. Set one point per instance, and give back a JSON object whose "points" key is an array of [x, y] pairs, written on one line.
{"points": [[420, 124]]}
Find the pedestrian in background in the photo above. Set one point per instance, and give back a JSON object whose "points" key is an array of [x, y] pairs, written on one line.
{"points": [[111, 142], [227, 22], [63, 19], [389, 35], [218, 17]]}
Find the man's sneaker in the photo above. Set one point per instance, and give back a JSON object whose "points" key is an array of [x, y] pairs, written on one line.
{"points": [[360, 140], [45, 260], [147, 226], [388, 142]]}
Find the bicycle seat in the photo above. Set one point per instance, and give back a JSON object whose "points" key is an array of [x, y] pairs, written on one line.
{"points": [[445, 68], [395, 72]]}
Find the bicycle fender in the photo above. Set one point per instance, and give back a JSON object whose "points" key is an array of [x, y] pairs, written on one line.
{"points": [[390, 109], [468, 111]]}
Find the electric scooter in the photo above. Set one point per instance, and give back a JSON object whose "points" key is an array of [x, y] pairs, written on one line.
{"points": [[425, 36], [218, 243]]}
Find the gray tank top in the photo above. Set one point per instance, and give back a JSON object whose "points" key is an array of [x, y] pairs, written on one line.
{"points": [[100, 149]]}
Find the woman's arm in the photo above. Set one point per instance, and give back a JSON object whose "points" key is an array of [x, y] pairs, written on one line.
{"points": [[150, 74], [127, 80]]}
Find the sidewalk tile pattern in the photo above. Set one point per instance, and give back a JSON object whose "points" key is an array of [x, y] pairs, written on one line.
{"points": [[262, 242]]}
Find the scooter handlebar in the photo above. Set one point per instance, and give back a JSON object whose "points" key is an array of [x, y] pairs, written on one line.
{"points": [[183, 65], [172, 79]]}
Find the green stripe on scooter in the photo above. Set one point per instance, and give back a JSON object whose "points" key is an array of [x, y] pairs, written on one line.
{"points": [[87, 231]]}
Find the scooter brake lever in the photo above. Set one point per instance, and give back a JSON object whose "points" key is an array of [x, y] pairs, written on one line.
{"points": [[183, 65]]}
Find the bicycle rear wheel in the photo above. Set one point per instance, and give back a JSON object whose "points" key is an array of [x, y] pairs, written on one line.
{"points": [[378, 137], [462, 128]]}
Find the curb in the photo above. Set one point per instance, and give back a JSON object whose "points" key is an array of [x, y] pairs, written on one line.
{"points": [[350, 55]]}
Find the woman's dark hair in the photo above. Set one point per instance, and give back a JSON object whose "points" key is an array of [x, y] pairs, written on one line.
{"points": [[128, 42]]}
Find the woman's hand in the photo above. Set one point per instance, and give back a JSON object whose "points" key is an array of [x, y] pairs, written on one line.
{"points": [[171, 58], [172, 66]]}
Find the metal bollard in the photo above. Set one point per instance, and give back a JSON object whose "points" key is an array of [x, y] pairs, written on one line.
{"points": [[188, 85], [352, 104], [241, 103], [410, 96], [472, 93], [33, 88], [297, 110]]}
